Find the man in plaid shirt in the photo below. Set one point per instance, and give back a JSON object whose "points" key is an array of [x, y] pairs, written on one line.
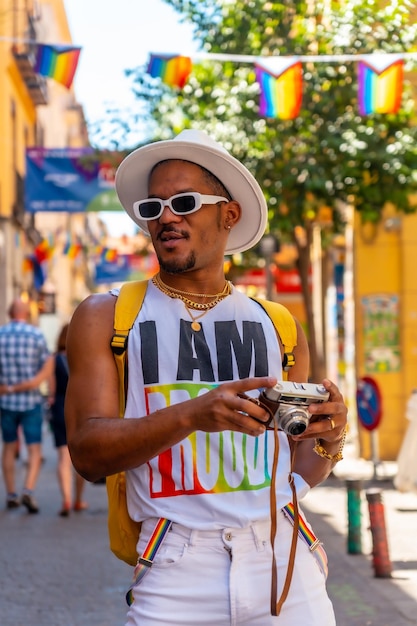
{"points": [[25, 362]]}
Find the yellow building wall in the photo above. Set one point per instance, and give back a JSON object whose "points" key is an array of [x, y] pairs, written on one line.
{"points": [[13, 97], [17, 127], [59, 123], [385, 263]]}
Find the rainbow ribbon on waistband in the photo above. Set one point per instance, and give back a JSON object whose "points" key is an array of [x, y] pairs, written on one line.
{"points": [[146, 560], [304, 531], [163, 525]]}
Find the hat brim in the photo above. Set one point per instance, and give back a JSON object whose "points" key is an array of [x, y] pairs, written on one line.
{"points": [[132, 179]]}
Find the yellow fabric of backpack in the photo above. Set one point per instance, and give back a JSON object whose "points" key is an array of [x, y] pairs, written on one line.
{"points": [[123, 531]]}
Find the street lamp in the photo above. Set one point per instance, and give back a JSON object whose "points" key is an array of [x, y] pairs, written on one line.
{"points": [[268, 246]]}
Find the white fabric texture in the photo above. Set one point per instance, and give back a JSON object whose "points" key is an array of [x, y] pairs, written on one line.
{"points": [[223, 578], [209, 480]]}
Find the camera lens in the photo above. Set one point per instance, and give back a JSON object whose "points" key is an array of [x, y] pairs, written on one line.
{"points": [[296, 428], [292, 420]]}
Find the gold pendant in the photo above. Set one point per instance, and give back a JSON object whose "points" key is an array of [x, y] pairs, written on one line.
{"points": [[196, 326]]}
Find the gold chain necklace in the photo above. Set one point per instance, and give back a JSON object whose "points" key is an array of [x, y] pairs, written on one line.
{"points": [[189, 304], [157, 280], [196, 326]]}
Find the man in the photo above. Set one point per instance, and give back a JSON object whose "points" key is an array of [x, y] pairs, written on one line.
{"points": [[195, 448], [25, 362]]}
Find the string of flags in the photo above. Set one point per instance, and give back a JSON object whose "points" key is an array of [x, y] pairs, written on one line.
{"points": [[280, 78]]}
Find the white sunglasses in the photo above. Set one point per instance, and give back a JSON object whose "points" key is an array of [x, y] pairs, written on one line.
{"points": [[180, 204]]}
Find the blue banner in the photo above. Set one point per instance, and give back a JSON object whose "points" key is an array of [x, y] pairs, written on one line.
{"points": [[117, 271], [74, 180]]}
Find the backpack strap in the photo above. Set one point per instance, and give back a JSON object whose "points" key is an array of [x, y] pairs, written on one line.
{"points": [[285, 328], [128, 304]]}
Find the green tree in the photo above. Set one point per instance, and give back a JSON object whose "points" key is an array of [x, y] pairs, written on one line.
{"points": [[327, 157]]}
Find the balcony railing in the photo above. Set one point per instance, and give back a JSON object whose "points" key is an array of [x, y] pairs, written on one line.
{"points": [[36, 84]]}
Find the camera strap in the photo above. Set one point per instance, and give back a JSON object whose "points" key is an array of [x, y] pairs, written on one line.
{"points": [[292, 512], [276, 604], [306, 534]]}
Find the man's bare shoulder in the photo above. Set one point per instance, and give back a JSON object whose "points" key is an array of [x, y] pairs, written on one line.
{"points": [[96, 302], [94, 315]]}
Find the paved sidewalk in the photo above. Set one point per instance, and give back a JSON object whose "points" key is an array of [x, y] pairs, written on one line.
{"points": [[360, 598], [58, 571]]}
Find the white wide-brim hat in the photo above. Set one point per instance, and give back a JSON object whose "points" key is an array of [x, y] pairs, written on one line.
{"points": [[197, 147]]}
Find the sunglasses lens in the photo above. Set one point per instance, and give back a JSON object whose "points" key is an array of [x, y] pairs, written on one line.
{"points": [[149, 209], [183, 204]]}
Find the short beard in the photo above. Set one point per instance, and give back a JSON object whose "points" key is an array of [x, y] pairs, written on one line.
{"points": [[175, 267]]}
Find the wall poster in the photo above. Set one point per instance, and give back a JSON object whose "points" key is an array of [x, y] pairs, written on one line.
{"points": [[381, 333]]}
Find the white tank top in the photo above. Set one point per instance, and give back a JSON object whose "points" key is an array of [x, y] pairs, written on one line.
{"points": [[208, 480]]}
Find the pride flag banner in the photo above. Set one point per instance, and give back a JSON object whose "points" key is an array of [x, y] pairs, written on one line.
{"points": [[44, 251], [57, 62], [71, 248], [173, 70], [380, 84], [281, 83]]}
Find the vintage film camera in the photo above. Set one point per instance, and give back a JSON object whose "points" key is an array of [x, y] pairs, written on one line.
{"points": [[290, 401]]}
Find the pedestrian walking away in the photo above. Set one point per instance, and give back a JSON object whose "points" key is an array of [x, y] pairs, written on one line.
{"points": [[65, 470], [25, 362], [206, 467]]}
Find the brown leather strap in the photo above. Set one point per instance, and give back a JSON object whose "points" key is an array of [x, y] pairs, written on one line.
{"points": [[276, 605]]}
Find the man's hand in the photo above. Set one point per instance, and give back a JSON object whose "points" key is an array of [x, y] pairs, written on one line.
{"points": [[328, 421], [228, 408]]}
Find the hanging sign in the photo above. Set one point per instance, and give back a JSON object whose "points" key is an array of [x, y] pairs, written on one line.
{"points": [[73, 180]]}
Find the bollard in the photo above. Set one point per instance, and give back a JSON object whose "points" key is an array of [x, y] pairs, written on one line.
{"points": [[354, 540], [380, 553]]}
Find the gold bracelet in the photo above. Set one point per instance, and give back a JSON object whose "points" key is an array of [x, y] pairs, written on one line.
{"points": [[334, 458]]}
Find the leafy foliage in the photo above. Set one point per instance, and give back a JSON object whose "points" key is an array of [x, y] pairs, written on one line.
{"points": [[329, 154]]}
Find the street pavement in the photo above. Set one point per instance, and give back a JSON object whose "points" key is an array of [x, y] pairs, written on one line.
{"points": [[59, 571], [359, 596]]}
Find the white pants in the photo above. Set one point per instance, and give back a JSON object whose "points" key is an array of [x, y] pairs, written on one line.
{"points": [[223, 578]]}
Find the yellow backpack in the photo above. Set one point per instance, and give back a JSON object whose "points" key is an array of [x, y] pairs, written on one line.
{"points": [[123, 531]]}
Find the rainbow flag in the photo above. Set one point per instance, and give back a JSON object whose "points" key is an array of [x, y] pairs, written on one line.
{"points": [[380, 84], [110, 255], [281, 83], [27, 264], [20, 239], [72, 250], [57, 62], [173, 70], [44, 251]]}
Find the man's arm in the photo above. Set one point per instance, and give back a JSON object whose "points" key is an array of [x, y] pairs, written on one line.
{"points": [[31, 383], [100, 442]]}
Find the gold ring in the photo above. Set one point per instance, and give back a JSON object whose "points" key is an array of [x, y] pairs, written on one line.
{"points": [[332, 424]]}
